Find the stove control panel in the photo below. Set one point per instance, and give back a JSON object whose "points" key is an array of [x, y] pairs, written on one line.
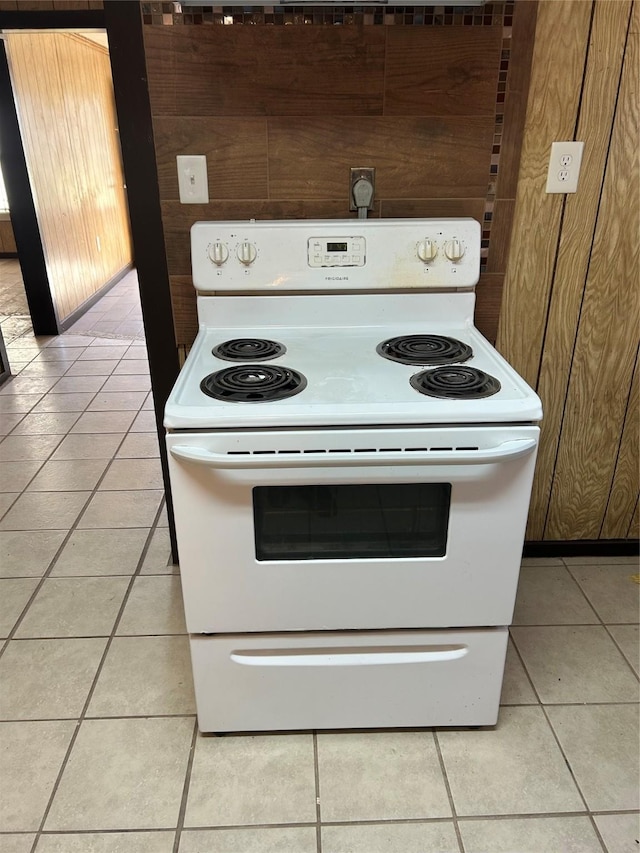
{"points": [[344, 255]]}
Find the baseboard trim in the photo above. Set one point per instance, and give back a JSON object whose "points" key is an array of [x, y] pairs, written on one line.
{"points": [[583, 548], [91, 301]]}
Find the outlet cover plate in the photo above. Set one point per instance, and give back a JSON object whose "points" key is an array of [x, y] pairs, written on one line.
{"points": [[564, 167]]}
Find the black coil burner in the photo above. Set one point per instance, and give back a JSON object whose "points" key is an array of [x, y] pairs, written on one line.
{"points": [[455, 383], [424, 349], [253, 383], [248, 349]]}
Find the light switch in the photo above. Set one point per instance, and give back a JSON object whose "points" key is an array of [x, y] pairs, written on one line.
{"points": [[192, 179]]}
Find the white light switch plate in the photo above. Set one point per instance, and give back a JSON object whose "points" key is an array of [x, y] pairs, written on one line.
{"points": [[192, 179], [564, 167]]}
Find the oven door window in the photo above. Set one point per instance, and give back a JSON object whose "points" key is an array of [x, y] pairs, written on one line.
{"points": [[351, 522]]}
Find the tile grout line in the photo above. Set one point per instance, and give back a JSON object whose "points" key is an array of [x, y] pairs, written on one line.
{"points": [[447, 786], [80, 719], [185, 789], [316, 774]]}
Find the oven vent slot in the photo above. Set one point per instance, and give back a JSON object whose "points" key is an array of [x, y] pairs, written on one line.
{"points": [[348, 450]]}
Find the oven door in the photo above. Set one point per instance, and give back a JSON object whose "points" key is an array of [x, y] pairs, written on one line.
{"points": [[283, 530]]}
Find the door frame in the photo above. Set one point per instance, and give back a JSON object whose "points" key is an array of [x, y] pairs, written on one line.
{"points": [[122, 19]]}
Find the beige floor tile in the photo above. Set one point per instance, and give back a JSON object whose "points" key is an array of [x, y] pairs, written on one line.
{"points": [[148, 403], [107, 842], [117, 401], [142, 765], [541, 561], [163, 521], [68, 340], [101, 552], [516, 689], [145, 422], [145, 676], [9, 420], [252, 779], [64, 402], [45, 511], [437, 837], [31, 754], [154, 607], [14, 594], [157, 560], [515, 768], [295, 839], [88, 447], [47, 679], [601, 745], [131, 382], [14, 476], [101, 422], [28, 385], [133, 474], [7, 499], [548, 595], [111, 351], [628, 639], [611, 589], [140, 445], [63, 354], [380, 776], [573, 663], [601, 561], [620, 832], [74, 607], [99, 367], [122, 509], [530, 835], [28, 554], [78, 384], [17, 843], [19, 402], [15, 448], [44, 369], [62, 475], [140, 366]]}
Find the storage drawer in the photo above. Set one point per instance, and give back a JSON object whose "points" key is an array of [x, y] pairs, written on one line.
{"points": [[358, 679]]}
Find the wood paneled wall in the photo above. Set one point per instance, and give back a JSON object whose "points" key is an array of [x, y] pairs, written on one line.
{"points": [[64, 97], [7, 240], [570, 313], [282, 112]]}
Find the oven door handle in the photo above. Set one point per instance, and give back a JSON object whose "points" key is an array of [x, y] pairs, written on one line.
{"points": [[364, 656], [485, 456]]}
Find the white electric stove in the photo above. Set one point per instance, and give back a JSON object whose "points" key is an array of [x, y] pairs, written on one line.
{"points": [[351, 464]]}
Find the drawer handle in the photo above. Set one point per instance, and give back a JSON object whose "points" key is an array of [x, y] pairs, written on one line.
{"points": [[363, 656]]}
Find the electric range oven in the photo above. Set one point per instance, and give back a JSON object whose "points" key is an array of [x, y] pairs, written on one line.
{"points": [[351, 465]]}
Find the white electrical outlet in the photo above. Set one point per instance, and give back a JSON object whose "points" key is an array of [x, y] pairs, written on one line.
{"points": [[192, 179], [564, 167]]}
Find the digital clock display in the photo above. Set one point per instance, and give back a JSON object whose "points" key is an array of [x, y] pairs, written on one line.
{"points": [[336, 247]]}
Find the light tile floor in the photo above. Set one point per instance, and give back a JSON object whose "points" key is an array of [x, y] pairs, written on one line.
{"points": [[99, 744]]}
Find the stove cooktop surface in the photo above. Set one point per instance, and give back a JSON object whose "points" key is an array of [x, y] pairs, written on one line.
{"points": [[334, 375]]}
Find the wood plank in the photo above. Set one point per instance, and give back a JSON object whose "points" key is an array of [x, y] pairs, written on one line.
{"points": [[562, 30], [488, 299], [624, 488], [235, 148], [67, 119], [501, 228], [7, 240], [183, 301], [424, 208], [596, 116], [607, 340], [310, 157], [258, 70], [634, 527], [438, 71]]}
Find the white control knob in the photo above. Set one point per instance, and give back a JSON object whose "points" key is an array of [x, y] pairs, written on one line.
{"points": [[427, 250], [454, 250], [218, 253], [246, 253]]}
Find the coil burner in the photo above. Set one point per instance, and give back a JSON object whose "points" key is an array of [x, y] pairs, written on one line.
{"points": [[248, 349], [253, 383], [424, 349], [455, 383]]}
